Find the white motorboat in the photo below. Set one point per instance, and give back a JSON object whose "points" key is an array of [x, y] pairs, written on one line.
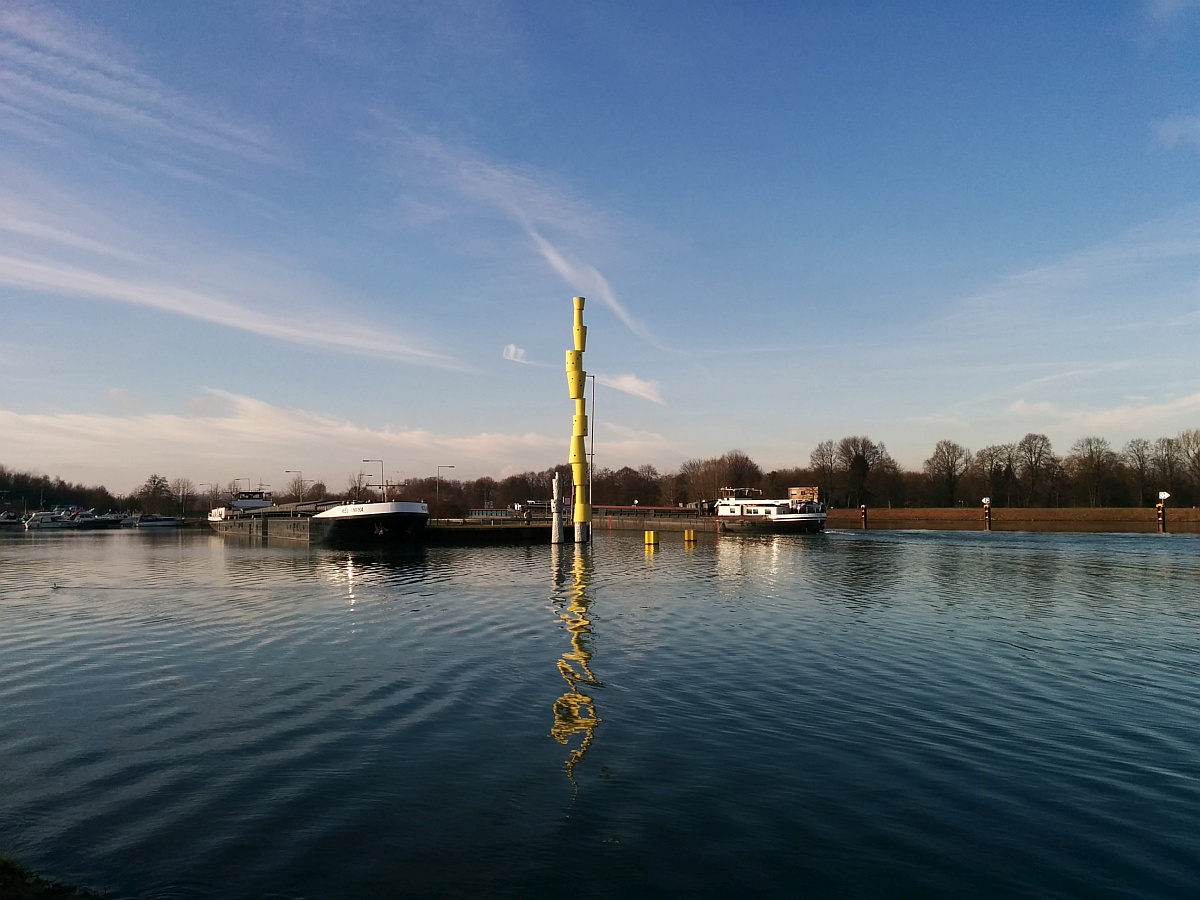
{"points": [[157, 521], [59, 517]]}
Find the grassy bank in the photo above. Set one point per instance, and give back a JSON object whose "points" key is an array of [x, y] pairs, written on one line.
{"points": [[1137, 519]]}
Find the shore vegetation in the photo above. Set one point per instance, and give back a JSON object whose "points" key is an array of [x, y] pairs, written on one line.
{"points": [[850, 472]]}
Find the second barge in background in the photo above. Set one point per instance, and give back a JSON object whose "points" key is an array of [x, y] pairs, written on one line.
{"points": [[327, 522]]}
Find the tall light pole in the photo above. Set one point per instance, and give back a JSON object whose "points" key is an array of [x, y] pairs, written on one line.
{"points": [[592, 438], [382, 482], [437, 496], [301, 474]]}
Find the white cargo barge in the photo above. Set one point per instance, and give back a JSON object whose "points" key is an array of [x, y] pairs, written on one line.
{"points": [[742, 510], [327, 522]]}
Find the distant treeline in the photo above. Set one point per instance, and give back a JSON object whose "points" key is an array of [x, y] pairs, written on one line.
{"points": [[857, 470], [21, 491], [850, 472]]}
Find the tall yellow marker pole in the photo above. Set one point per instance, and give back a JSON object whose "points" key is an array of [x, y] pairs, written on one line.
{"points": [[576, 379]]}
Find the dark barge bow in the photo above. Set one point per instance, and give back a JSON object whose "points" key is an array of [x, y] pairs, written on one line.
{"points": [[370, 524]]}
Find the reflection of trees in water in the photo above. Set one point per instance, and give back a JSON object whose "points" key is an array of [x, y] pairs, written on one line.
{"points": [[575, 712]]}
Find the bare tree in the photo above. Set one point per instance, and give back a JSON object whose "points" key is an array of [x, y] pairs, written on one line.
{"points": [[1189, 451], [698, 487], [1035, 459], [155, 494], [740, 470], [1090, 463], [183, 492], [295, 488], [1138, 456], [823, 461], [705, 477], [886, 477], [856, 456], [357, 487], [213, 495], [1167, 462], [946, 467], [996, 465]]}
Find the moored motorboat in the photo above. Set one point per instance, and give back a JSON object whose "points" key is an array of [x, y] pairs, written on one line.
{"points": [[87, 520], [59, 518], [743, 510], [156, 521]]}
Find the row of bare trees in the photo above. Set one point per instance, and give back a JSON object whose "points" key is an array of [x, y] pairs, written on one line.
{"points": [[850, 471], [1025, 473], [856, 470], [1093, 472], [25, 491]]}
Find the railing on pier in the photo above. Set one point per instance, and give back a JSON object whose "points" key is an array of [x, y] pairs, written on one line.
{"points": [[647, 512]]}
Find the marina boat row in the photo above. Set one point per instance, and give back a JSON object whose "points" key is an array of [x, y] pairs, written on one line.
{"points": [[64, 518]]}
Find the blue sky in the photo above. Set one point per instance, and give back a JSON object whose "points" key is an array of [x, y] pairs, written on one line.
{"points": [[240, 238]]}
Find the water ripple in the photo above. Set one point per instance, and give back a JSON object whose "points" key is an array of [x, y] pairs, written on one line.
{"points": [[861, 713]]}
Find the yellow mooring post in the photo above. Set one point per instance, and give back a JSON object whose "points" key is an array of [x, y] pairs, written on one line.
{"points": [[651, 539], [576, 380]]}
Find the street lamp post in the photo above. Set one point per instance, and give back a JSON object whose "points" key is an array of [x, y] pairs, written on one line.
{"points": [[301, 474], [437, 495], [592, 441], [382, 481]]}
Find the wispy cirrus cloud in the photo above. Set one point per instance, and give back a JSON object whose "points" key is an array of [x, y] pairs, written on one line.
{"points": [[60, 77], [327, 333], [1170, 11], [225, 435], [632, 385], [623, 442], [626, 384], [1157, 263], [1130, 417], [111, 239], [534, 202], [1179, 130]]}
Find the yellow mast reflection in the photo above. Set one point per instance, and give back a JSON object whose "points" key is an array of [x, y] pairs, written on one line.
{"points": [[575, 711]]}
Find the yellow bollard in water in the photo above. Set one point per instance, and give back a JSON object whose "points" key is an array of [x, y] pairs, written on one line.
{"points": [[689, 536], [651, 538]]}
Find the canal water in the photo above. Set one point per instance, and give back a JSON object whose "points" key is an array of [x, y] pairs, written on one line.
{"points": [[854, 714]]}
